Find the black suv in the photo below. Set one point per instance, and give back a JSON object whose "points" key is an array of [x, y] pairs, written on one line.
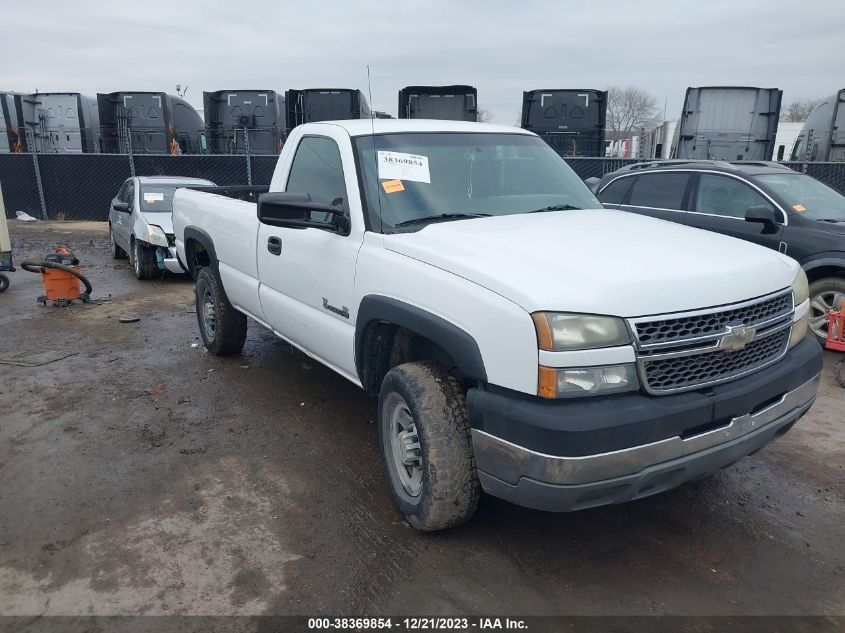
{"points": [[765, 203]]}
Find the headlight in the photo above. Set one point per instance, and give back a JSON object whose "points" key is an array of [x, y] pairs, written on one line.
{"points": [[559, 331], [155, 235], [800, 288], [571, 382], [801, 299]]}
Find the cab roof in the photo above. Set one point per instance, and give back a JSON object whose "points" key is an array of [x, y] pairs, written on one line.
{"points": [[171, 180], [365, 127]]}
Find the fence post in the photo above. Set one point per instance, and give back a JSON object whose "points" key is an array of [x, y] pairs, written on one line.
{"points": [[131, 158], [40, 187], [248, 161]]}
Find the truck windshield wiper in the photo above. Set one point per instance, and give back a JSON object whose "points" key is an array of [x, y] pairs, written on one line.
{"points": [[557, 207], [441, 217], [832, 220]]}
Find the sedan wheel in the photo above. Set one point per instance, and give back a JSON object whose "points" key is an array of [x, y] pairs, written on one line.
{"points": [[824, 300]]}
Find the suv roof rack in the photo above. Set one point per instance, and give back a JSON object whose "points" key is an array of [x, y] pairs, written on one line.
{"points": [[673, 162], [759, 163]]}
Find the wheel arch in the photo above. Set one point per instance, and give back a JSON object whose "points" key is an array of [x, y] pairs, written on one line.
{"points": [[825, 265], [389, 332], [199, 250]]}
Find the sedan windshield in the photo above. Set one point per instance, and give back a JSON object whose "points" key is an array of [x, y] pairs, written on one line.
{"points": [[807, 196], [415, 179], [160, 197]]}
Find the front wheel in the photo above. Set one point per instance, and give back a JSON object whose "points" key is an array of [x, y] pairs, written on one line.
{"points": [[223, 329], [4, 282], [143, 260], [826, 295], [426, 446]]}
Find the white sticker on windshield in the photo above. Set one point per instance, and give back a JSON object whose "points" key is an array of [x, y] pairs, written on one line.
{"points": [[151, 197], [399, 166]]}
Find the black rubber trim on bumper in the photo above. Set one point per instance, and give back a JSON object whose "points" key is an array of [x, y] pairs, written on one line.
{"points": [[649, 481], [599, 425]]}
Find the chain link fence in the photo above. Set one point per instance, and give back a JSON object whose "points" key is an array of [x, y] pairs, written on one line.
{"points": [[81, 186]]}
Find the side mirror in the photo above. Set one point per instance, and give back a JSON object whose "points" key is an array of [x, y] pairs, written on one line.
{"points": [[121, 206], [765, 215], [293, 210], [593, 184]]}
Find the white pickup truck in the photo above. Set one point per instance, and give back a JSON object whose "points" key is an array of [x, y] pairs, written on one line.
{"points": [[521, 339]]}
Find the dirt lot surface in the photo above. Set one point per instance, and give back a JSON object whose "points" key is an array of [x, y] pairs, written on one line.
{"points": [[144, 476]]}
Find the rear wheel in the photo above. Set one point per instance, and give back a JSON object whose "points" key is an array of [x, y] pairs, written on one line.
{"points": [[222, 328], [116, 251], [4, 282], [826, 295], [143, 260], [426, 446]]}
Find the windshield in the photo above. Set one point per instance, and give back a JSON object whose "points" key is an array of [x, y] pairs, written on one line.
{"points": [[160, 197], [410, 179], [807, 196]]}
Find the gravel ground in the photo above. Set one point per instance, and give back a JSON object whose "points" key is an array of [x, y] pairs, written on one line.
{"points": [[144, 476]]}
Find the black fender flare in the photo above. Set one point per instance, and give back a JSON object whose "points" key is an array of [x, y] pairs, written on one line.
{"points": [[829, 258], [460, 345], [193, 233]]}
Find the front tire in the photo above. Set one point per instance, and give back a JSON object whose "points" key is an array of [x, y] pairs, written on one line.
{"points": [[223, 329], [143, 260], [116, 251], [825, 295], [426, 446], [4, 282]]}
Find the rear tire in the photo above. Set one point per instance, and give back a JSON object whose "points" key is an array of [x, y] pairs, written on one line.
{"points": [[116, 251], [4, 282], [426, 446], [825, 295], [143, 260], [222, 328]]}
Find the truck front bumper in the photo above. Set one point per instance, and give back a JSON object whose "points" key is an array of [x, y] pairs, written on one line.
{"points": [[171, 262], [562, 456]]}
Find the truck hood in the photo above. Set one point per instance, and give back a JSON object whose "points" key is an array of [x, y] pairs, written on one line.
{"points": [[163, 219], [598, 261]]}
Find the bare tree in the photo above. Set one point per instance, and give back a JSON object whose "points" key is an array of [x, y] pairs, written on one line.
{"points": [[628, 108], [484, 116], [799, 110]]}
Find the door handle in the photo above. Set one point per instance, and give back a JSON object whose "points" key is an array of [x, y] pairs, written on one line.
{"points": [[274, 245]]}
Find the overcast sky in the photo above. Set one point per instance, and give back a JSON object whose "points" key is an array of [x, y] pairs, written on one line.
{"points": [[502, 48]]}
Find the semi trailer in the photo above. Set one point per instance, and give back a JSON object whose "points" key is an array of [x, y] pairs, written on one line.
{"points": [[244, 121], [728, 123], [62, 122], [324, 104], [149, 123], [823, 136], [13, 138], [452, 103], [572, 122]]}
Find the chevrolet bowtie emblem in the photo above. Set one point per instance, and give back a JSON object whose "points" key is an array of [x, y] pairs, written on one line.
{"points": [[737, 337]]}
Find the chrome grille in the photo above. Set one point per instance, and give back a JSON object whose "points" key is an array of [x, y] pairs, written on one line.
{"points": [[684, 351], [671, 374], [659, 331]]}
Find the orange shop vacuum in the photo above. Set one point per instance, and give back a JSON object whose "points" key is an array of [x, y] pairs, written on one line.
{"points": [[61, 278]]}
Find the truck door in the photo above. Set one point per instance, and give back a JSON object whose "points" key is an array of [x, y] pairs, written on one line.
{"points": [[719, 204], [308, 275]]}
